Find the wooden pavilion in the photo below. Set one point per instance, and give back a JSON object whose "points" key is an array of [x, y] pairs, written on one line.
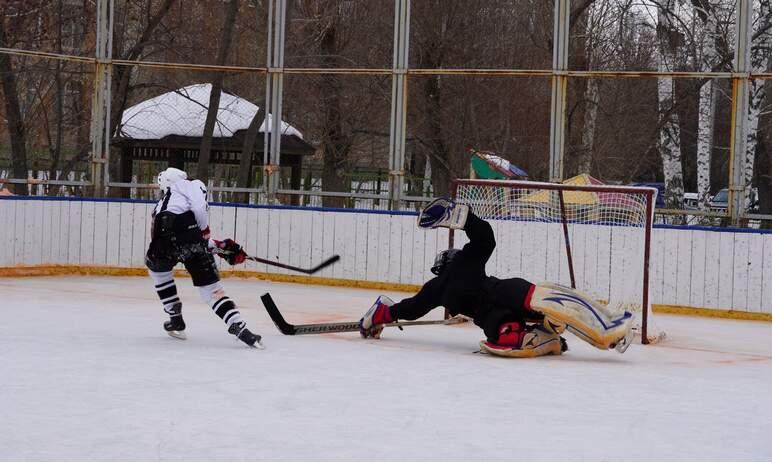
{"points": [[169, 128]]}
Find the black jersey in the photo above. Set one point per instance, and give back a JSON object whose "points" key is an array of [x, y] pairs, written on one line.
{"points": [[464, 287]]}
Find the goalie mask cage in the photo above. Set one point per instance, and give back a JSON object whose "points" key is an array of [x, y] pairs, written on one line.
{"points": [[594, 238]]}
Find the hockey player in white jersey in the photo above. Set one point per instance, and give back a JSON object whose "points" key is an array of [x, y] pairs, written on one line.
{"points": [[180, 234]]}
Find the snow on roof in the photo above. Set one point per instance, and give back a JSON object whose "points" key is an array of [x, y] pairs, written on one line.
{"points": [[183, 112]]}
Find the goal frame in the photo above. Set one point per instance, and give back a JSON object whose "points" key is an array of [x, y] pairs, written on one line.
{"points": [[649, 193]]}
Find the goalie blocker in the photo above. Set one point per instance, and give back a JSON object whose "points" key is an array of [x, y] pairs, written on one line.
{"points": [[519, 319]]}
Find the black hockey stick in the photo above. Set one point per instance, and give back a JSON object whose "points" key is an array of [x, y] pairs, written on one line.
{"points": [[313, 270], [327, 328]]}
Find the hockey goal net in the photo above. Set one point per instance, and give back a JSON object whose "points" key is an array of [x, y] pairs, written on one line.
{"points": [[595, 238]]}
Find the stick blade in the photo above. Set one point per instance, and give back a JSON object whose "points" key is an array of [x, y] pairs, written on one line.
{"points": [[273, 311], [324, 264]]}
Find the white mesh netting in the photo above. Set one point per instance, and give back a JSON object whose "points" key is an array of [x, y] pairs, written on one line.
{"points": [[606, 225]]}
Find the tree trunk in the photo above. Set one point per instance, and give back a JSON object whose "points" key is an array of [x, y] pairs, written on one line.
{"points": [[670, 145], [584, 164], [121, 79], [214, 97], [764, 166], [56, 152], [336, 141], [706, 114], [757, 96], [707, 101], [16, 128], [586, 93], [669, 132], [759, 63], [247, 150], [442, 175]]}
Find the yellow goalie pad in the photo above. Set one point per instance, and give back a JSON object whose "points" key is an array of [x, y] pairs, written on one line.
{"points": [[588, 319], [536, 342]]}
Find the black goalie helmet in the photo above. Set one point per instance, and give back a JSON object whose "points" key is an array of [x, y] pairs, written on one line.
{"points": [[443, 259]]}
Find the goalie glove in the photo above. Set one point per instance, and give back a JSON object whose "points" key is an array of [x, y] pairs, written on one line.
{"points": [[445, 213]]}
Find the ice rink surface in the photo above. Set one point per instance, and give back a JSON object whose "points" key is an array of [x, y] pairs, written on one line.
{"points": [[86, 374]]}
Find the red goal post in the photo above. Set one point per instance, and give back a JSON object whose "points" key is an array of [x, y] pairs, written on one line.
{"points": [[595, 238]]}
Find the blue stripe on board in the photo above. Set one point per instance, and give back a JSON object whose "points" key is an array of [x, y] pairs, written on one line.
{"points": [[374, 212], [75, 199], [219, 204], [713, 229], [315, 209]]}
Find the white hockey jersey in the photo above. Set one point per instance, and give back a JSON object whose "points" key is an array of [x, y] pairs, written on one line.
{"points": [[186, 195]]}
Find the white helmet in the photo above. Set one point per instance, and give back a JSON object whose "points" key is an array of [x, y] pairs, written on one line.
{"points": [[170, 176]]}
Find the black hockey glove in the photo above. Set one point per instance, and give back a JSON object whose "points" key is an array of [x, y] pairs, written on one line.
{"points": [[230, 251]]}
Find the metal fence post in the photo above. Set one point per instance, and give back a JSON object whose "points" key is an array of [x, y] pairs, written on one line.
{"points": [[559, 88], [274, 89], [740, 103], [398, 122], [100, 109]]}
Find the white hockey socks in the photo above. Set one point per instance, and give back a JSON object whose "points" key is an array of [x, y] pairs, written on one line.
{"points": [[166, 290], [221, 304]]}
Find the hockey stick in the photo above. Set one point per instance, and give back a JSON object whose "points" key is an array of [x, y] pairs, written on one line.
{"points": [[313, 270], [327, 328]]}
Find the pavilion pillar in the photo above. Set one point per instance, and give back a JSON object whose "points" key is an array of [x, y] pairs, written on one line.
{"points": [[295, 174], [126, 171], [176, 158]]}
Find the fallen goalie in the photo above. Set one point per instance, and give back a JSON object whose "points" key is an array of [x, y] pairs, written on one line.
{"points": [[519, 319]]}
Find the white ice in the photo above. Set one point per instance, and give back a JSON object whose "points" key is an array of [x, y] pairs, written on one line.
{"points": [[86, 374]]}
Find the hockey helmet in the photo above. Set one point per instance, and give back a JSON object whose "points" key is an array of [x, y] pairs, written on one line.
{"points": [[443, 259], [170, 176]]}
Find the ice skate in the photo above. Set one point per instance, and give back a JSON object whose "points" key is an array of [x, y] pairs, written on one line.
{"points": [[239, 329], [623, 343], [531, 342], [175, 326]]}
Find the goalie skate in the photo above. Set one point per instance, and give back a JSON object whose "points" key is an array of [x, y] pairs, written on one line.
{"points": [[589, 320], [622, 345], [537, 342]]}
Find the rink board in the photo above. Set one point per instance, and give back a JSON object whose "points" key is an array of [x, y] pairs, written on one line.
{"points": [[701, 268]]}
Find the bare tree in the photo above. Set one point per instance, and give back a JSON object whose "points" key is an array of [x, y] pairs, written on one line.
{"points": [[134, 33], [707, 99], [760, 62], [214, 97], [328, 33], [16, 128], [670, 130], [247, 150]]}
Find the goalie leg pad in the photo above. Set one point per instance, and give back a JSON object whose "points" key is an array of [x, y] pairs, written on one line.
{"points": [[537, 341], [586, 318]]}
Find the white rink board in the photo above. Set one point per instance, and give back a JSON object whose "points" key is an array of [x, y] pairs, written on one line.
{"points": [[689, 267]]}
